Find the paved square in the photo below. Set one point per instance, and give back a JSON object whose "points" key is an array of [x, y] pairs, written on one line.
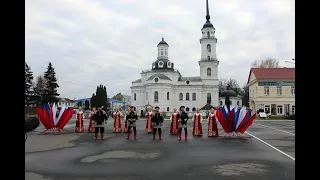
{"points": [[268, 154]]}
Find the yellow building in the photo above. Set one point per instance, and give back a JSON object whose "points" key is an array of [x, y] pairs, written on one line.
{"points": [[272, 89]]}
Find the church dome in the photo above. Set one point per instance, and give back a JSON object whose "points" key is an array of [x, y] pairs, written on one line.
{"points": [[208, 24], [163, 42], [162, 64]]}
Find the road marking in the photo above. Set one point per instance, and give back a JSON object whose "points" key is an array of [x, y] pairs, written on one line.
{"points": [[275, 129], [272, 146]]}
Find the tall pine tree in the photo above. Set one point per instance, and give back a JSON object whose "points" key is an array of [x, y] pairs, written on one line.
{"points": [[93, 101], [51, 92], [28, 79], [100, 98]]}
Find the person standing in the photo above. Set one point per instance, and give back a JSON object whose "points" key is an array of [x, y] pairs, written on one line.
{"points": [[117, 121], [149, 127], [91, 123], [132, 117], [99, 118], [183, 119], [126, 127], [157, 121], [174, 126], [79, 122], [212, 124], [197, 123]]}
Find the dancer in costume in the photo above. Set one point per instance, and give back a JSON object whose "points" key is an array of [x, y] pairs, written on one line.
{"points": [[197, 123], [157, 121], [132, 117], [183, 119], [212, 124], [117, 121], [79, 122], [174, 126], [125, 129], [99, 117], [149, 126], [91, 123]]}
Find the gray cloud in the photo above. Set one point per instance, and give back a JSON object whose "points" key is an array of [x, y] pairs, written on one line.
{"points": [[110, 42]]}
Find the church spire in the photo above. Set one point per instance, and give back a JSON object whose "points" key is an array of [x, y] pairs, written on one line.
{"points": [[208, 15]]}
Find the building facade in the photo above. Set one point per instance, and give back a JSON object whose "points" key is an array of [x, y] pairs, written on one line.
{"points": [[114, 103], [165, 87], [272, 90], [66, 101]]}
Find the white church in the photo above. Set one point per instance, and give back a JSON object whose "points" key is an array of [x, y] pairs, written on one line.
{"points": [[165, 87]]}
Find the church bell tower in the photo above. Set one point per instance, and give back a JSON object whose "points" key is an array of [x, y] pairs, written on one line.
{"points": [[208, 62]]}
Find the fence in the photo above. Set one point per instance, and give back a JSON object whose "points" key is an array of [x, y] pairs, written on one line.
{"points": [[29, 110]]}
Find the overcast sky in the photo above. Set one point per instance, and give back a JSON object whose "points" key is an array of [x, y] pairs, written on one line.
{"points": [[109, 42]]}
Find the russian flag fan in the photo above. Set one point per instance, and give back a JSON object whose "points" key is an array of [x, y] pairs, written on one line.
{"points": [[235, 120], [47, 115]]}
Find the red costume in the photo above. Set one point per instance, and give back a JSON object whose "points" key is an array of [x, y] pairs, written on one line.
{"points": [[79, 122], [174, 126], [212, 126], [125, 129], [149, 126], [117, 122], [91, 124], [197, 126]]}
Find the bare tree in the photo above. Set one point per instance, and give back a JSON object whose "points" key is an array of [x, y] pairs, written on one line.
{"points": [[223, 83], [268, 63], [39, 89]]}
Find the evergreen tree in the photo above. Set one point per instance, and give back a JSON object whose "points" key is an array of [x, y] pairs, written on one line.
{"points": [[28, 79], [51, 93], [86, 105], [93, 101], [39, 90], [79, 104]]}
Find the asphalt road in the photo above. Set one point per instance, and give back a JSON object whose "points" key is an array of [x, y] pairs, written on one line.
{"points": [[267, 154]]}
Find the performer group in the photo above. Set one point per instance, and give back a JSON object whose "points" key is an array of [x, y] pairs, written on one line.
{"points": [[154, 122]]}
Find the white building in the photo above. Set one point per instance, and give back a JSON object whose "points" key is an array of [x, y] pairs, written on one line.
{"points": [[165, 87]]}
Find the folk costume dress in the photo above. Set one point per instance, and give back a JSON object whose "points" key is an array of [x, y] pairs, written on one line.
{"points": [[91, 123], [174, 126], [79, 122], [117, 122], [126, 124], [212, 126], [197, 124], [149, 126]]}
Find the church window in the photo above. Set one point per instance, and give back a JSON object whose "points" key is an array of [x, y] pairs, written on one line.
{"points": [[209, 48], [156, 96], [134, 96], [161, 53], [180, 97], [193, 109], [160, 64], [208, 71], [165, 52], [220, 103], [168, 109], [156, 79], [194, 96], [208, 34], [238, 103], [158, 53], [168, 96], [188, 82], [169, 64], [208, 57], [209, 98], [187, 109], [187, 97]]}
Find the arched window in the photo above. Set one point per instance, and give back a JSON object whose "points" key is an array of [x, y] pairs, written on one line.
{"points": [[180, 97], [161, 53], [209, 98], [238, 103], [134, 96], [158, 53], [168, 109], [187, 97], [209, 48], [156, 96], [187, 109], [165, 52], [194, 97], [193, 109], [208, 34], [168, 96], [208, 71]]}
